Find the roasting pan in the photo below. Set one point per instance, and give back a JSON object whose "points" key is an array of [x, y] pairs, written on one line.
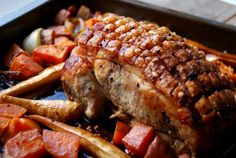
{"points": [[213, 34]]}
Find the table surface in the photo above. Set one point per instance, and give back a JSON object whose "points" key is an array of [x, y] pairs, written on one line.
{"points": [[220, 10]]}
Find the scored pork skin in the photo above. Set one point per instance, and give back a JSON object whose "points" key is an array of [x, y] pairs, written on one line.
{"points": [[151, 73]]}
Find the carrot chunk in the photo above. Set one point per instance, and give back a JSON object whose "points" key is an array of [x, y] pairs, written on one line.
{"points": [[138, 139], [11, 110], [13, 52], [64, 41], [51, 54], [27, 144], [17, 125], [159, 148], [61, 144], [120, 131], [4, 122], [26, 66]]}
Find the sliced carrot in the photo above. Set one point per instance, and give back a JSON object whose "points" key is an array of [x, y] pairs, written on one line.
{"points": [[51, 54], [138, 139], [61, 144], [4, 122], [13, 52], [159, 148], [26, 65], [11, 110], [64, 41], [120, 131], [27, 144], [17, 125]]}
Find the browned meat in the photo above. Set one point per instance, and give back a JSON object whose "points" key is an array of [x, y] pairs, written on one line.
{"points": [[153, 75]]}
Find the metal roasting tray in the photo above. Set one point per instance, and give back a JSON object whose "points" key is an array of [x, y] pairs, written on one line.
{"points": [[15, 26]]}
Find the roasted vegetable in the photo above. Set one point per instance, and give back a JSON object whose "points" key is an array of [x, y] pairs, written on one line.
{"points": [[120, 131], [95, 145], [49, 75], [32, 40], [138, 139], [4, 122], [51, 54], [27, 144], [13, 52], [60, 110], [17, 125], [61, 144], [11, 111], [26, 66]]}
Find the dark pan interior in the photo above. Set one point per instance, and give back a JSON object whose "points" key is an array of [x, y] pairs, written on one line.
{"points": [[213, 34]]}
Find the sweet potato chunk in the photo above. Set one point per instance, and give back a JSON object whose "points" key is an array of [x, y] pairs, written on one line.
{"points": [[4, 122], [11, 110], [17, 125], [61, 144], [27, 144]]}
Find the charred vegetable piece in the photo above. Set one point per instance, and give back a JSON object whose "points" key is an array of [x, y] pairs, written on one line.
{"points": [[11, 110], [93, 144], [159, 148], [65, 42], [13, 52], [17, 125], [61, 144], [49, 75], [120, 131], [61, 16], [51, 54], [48, 36], [26, 66], [4, 122], [32, 40], [60, 110], [138, 139], [27, 144]]}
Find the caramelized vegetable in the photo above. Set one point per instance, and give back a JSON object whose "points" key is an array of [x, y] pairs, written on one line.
{"points": [[11, 110], [95, 145], [61, 144], [65, 42], [51, 54], [27, 144], [33, 40], [4, 122], [26, 66], [49, 75], [120, 131], [60, 110], [47, 36], [13, 52], [138, 139], [17, 125]]}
